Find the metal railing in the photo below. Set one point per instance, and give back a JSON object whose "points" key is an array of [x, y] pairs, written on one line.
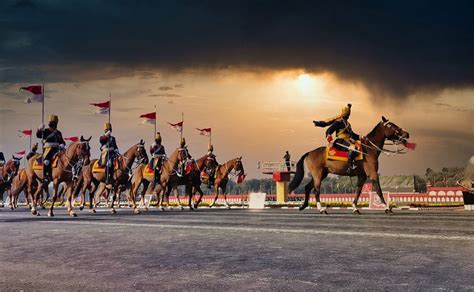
{"points": [[271, 166]]}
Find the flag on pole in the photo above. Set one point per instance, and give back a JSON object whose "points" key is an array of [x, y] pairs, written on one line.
{"points": [[21, 153], [103, 108], [205, 131], [72, 139], [149, 118], [37, 91], [25, 133], [178, 126]]}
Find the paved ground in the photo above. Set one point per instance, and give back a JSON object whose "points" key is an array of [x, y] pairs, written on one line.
{"points": [[237, 250]]}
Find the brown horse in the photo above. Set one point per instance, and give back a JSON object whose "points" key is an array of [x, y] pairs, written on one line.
{"points": [[222, 177], [168, 171], [7, 172], [19, 183], [372, 146], [191, 179], [61, 173], [90, 180]]}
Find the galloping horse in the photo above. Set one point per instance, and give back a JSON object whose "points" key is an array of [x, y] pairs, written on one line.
{"points": [[7, 172], [319, 167], [168, 170], [61, 173], [222, 177], [90, 180]]}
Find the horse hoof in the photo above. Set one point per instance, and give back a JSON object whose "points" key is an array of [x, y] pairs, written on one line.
{"points": [[113, 211], [323, 212], [146, 209], [93, 211], [228, 207], [210, 206], [81, 208], [388, 211], [301, 208], [50, 214], [136, 211], [195, 206], [34, 212], [11, 208], [72, 214], [43, 207]]}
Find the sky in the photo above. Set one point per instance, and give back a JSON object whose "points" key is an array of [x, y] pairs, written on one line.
{"points": [[257, 72]]}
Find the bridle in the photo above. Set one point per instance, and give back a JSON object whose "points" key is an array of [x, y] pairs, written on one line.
{"points": [[396, 140]]}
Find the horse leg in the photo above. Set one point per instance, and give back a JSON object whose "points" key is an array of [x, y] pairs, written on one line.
{"points": [[189, 192], [200, 197], [216, 189], [307, 190], [388, 209], [33, 197], [113, 199], [53, 200], [360, 183], [70, 206], [176, 194]]}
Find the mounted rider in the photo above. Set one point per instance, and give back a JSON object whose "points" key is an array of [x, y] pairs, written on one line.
{"points": [[109, 151], [53, 142], [2, 159], [346, 139], [32, 152], [158, 153], [182, 164], [211, 165]]}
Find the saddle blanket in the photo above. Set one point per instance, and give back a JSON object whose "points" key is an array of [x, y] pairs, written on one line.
{"points": [[96, 168], [148, 171], [38, 162], [335, 154]]}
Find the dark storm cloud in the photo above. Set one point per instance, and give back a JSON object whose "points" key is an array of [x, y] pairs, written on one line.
{"points": [[394, 47]]}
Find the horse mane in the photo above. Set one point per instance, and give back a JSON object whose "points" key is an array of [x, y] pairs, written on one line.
{"points": [[374, 130]]}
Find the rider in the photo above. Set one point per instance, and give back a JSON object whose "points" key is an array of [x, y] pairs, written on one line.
{"points": [[53, 142], [211, 165], [345, 137], [2, 159], [32, 151], [182, 163], [157, 152], [109, 150]]}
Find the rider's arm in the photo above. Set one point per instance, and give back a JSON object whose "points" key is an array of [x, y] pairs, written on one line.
{"points": [[60, 139], [334, 127]]}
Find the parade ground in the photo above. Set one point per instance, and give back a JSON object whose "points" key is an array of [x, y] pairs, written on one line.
{"points": [[241, 249]]}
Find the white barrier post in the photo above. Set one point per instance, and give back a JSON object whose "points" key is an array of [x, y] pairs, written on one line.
{"points": [[257, 200]]}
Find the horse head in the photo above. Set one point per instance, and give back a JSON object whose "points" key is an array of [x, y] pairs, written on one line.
{"points": [[140, 152], [83, 149], [393, 132], [13, 165], [239, 166]]}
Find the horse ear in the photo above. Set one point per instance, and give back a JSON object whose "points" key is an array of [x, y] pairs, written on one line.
{"points": [[384, 119], [240, 158], [82, 138]]}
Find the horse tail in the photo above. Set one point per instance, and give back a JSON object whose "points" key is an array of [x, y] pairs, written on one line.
{"points": [[295, 182]]}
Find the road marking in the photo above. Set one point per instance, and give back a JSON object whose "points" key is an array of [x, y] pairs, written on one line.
{"points": [[275, 230]]}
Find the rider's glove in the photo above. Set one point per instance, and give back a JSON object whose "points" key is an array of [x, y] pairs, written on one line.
{"points": [[329, 138], [61, 146], [41, 127]]}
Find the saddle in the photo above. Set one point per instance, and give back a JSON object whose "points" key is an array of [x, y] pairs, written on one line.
{"points": [[97, 168], [148, 171], [340, 155], [38, 162]]}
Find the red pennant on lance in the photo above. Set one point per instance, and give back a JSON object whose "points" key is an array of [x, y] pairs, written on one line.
{"points": [[25, 133], [21, 152], [36, 90], [148, 118], [72, 139], [178, 126], [241, 178], [205, 131], [103, 107]]}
